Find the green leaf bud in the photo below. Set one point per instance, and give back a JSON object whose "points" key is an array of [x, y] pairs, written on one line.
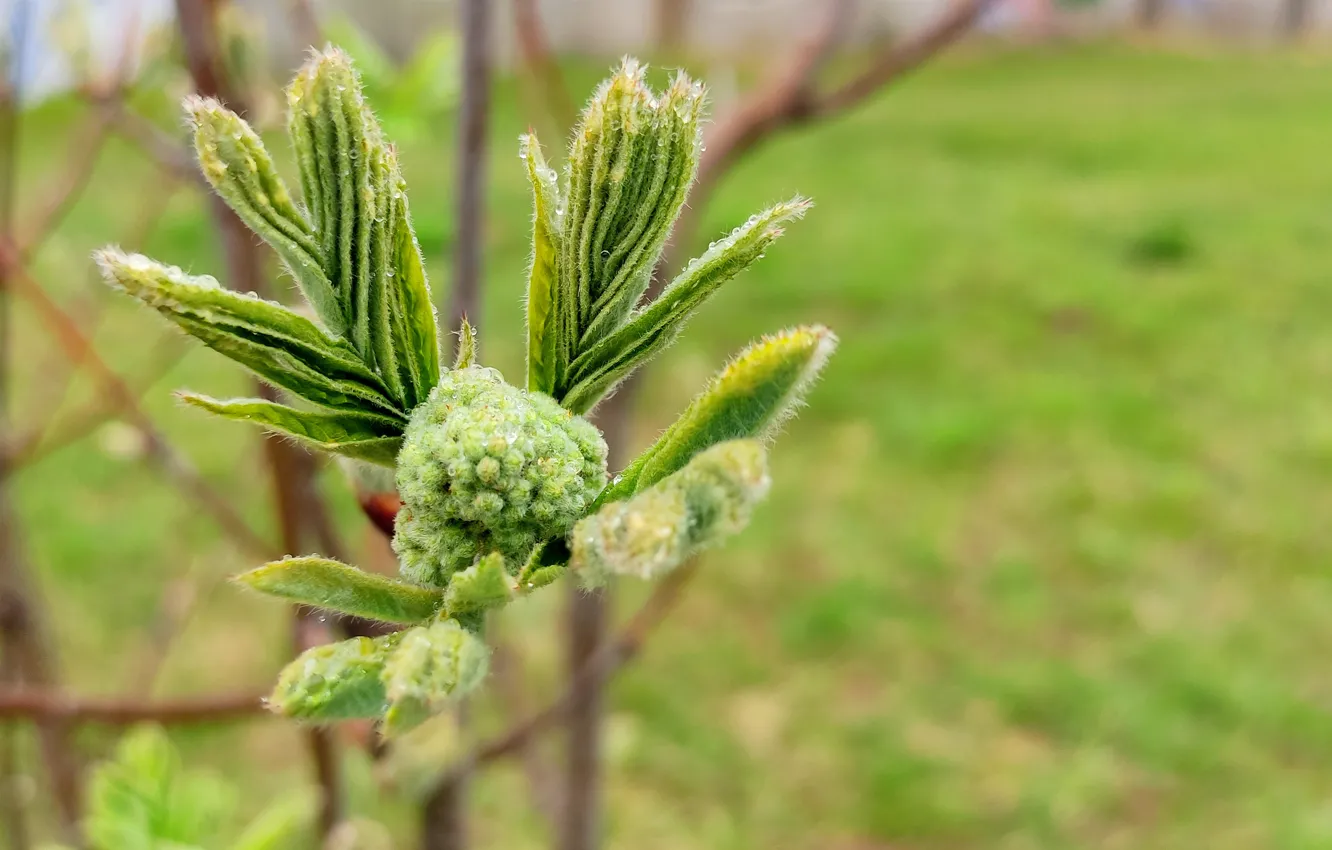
{"points": [[487, 467]]}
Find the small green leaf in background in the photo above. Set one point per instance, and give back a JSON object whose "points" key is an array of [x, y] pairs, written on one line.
{"points": [[141, 799], [431, 666], [362, 436], [654, 327], [278, 345], [323, 583], [337, 681], [750, 398], [656, 530]]}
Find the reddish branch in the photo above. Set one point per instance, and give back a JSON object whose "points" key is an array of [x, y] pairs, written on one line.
{"points": [[43, 705]]}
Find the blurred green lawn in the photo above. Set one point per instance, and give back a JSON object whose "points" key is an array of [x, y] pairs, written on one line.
{"points": [[1046, 559]]}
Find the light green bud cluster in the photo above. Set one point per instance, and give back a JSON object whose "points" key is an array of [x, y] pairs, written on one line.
{"points": [[488, 467], [655, 531]]}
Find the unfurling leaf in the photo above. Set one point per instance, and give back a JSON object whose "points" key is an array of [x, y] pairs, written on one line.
{"points": [[654, 532], [236, 164], [358, 205], [543, 278], [278, 345], [336, 681], [480, 587], [324, 583], [750, 398], [654, 327], [633, 157], [431, 666], [361, 436]]}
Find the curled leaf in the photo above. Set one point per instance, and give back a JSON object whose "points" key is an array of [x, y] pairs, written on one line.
{"points": [[336, 681], [543, 283], [480, 587], [654, 532], [431, 666]]}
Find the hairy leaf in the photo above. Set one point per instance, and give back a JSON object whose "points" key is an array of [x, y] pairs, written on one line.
{"points": [[656, 326], [654, 532], [363, 436], [277, 344], [416, 329], [543, 286], [480, 587], [236, 164], [324, 583], [750, 398], [633, 158], [432, 666], [337, 681]]}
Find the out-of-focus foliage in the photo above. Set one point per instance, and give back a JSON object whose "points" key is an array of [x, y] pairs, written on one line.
{"points": [[142, 799]]}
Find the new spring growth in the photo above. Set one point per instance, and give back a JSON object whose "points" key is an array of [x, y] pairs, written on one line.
{"points": [[504, 489]]}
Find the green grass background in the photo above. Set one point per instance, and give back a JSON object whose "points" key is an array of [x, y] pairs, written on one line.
{"points": [[1045, 564]]}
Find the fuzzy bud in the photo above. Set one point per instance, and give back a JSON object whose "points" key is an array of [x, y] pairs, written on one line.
{"points": [[655, 531], [487, 467]]}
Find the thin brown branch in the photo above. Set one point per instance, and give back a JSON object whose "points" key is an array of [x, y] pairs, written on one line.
{"points": [[295, 493], [508, 675], [45, 705], [77, 172], [13, 811], [25, 637], [906, 57], [609, 657], [541, 70], [305, 23], [79, 349], [169, 152]]}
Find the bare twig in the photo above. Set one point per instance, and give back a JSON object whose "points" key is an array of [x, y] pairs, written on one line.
{"points": [[609, 657], [305, 23], [465, 299], [507, 673], [541, 69], [79, 349], [12, 809], [75, 175], [53, 705], [161, 147], [24, 635], [292, 468]]}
